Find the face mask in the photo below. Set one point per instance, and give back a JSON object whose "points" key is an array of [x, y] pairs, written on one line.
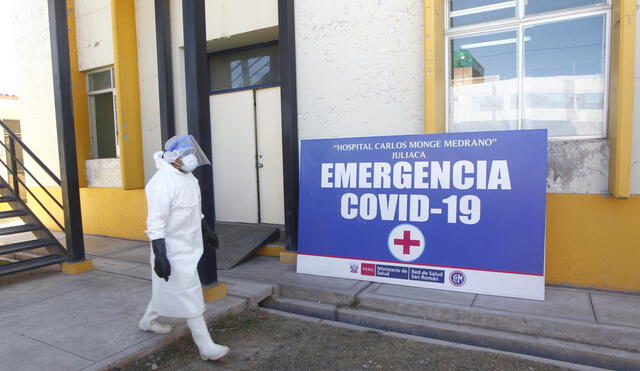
{"points": [[189, 163]]}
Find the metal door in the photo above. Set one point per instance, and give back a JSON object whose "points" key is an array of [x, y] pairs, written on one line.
{"points": [[269, 133], [247, 156], [234, 156]]}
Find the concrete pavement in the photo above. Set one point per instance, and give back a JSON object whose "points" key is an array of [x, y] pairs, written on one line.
{"points": [[53, 321]]}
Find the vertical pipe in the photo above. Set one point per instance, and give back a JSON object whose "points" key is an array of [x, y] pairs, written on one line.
{"points": [[165, 69], [65, 128], [198, 115], [289, 109]]}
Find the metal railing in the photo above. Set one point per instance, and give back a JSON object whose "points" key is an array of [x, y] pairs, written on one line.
{"points": [[13, 172]]}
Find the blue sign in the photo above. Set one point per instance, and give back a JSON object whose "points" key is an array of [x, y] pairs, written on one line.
{"points": [[463, 211]]}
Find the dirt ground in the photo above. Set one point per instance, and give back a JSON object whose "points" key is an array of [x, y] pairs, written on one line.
{"points": [[265, 341]]}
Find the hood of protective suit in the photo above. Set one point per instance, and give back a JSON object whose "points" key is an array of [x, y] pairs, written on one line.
{"points": [[162, 164]]}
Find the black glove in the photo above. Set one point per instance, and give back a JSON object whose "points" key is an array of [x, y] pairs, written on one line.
{"points": [[161, 264], [209, 237]]}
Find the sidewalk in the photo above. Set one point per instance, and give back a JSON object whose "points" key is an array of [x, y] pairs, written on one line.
{"points": [[50, 320], [53, 321]]}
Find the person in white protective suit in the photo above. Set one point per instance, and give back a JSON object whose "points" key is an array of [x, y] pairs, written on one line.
{"points": [[177, 230]]}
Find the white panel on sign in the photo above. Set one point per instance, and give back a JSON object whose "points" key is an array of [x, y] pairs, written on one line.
{"points": [[269, 129], [234, 157]]}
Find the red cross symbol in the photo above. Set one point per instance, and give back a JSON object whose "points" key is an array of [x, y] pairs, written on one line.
{"points": [[406, 242]]}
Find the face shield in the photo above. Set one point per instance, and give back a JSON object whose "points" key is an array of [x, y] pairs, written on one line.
{"points": [[186, 149]]}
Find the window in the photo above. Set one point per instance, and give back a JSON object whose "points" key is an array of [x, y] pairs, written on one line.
{"points": [[104, 131], [244, 68], [528, 64]]}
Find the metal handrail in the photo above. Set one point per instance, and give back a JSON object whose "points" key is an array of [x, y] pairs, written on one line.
{"points": [[13, 171], [44, 167], [37, 200], [32, 177]]}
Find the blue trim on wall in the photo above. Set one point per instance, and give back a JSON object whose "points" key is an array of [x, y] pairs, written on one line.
{"points": [[271, 84], [242, 48]]}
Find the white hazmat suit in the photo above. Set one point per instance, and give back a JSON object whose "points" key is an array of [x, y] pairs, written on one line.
{"points": [[175, 214], [174, 220]]}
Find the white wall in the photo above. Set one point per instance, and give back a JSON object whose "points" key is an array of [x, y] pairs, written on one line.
{"points": [[177, 55], [148, 78], [360, 73], [9, 108], [360, 67], [33, 59], [224, 19], [93, 33], [231, 17]]}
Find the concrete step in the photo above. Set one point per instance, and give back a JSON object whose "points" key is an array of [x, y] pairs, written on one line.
{"points": [[510, 320], [252, 292], [302, 307], [535, 345], [329, 290], [566, 314], [590, 355]]}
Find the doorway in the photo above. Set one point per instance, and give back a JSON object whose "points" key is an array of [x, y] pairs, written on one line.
{"points": [[247, 156]]}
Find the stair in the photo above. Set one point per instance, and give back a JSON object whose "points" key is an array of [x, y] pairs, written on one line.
{"points": [[12, 214], [29, 264], [24, 245], [18, 229], [41, 237]]}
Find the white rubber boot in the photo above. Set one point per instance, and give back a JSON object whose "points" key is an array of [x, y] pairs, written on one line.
{"points": [[209, 351], [148, 322], [155, 326]]}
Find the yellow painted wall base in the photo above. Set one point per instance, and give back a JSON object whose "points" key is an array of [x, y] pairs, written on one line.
{"points": [[112, 212], [77, 267], [214, 292], [288, 257], [593, 241], [270, 250]]}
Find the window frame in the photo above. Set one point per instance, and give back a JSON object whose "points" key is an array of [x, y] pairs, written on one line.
{"points": [[519, 23], [236, 50], [92, 112]]}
